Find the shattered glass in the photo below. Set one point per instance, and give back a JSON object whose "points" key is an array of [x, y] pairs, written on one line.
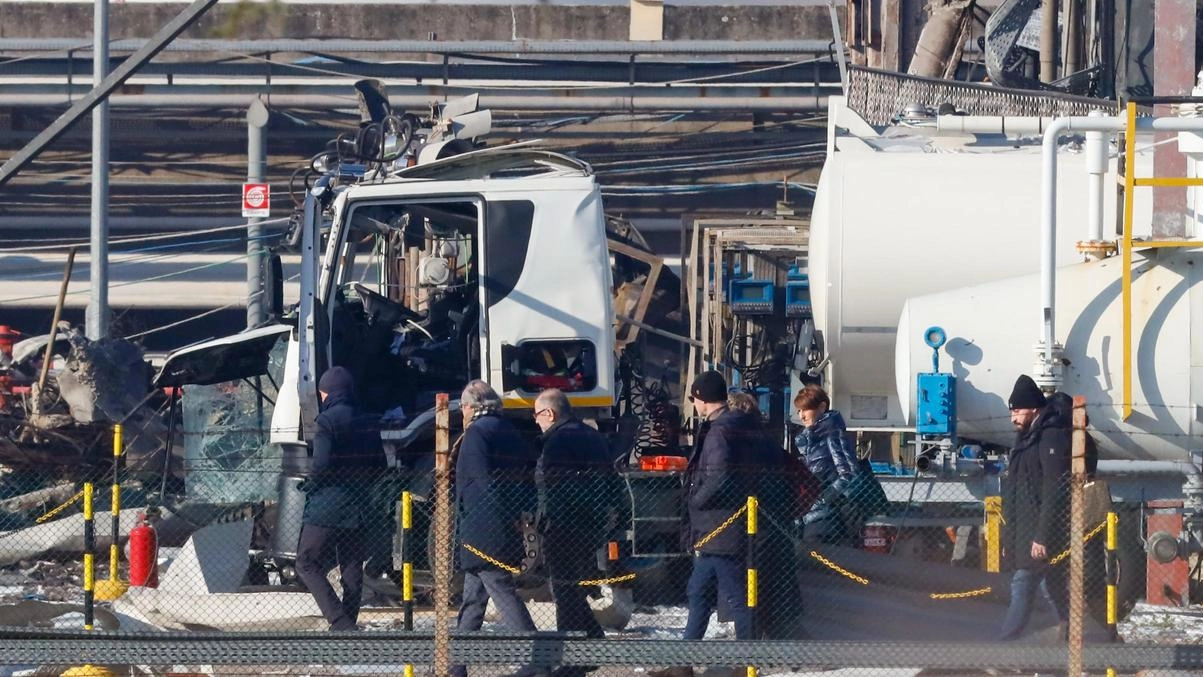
{"points": [[226, 432]]}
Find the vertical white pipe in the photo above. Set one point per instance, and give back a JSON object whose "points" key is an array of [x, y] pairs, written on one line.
{"points": [[97, 317], [1048, 235], [1096, 166], [257, 117]]}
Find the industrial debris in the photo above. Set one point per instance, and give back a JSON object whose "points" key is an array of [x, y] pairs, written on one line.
{"points": [[59, 396]]}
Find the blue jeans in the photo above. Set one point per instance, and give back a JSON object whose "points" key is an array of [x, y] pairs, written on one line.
{"points": [[1024, 585], [730, 576]]}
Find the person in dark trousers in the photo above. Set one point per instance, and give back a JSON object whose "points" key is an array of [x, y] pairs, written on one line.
{"points": [[577, 494], [1035, 496], [715, 490], [780, 495], [850, 492], [493, 484], [346, 454]]}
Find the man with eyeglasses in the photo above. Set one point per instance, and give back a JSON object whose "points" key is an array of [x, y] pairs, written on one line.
{"points": [[574, 475]]}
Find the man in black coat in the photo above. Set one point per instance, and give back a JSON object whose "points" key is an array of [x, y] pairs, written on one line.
{"points": [[347, 455], [1035, 495], [717, 488], [493, 484], [577, 494]]}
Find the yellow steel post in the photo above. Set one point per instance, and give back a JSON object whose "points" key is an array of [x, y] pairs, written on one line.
{"points": [[1112, 571], [753, 583], [407, 568], [89, 580], [89, 563], [113, 588], [993, 533], [1126, 253]]}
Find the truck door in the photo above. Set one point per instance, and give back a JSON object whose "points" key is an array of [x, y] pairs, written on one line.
{"points": [[311, 320]]}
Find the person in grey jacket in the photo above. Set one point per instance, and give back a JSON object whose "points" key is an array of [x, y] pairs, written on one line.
{"points": [[494, 470], [347, 455]]}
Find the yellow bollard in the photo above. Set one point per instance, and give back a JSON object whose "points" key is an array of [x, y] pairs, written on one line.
{"points": [[753, 583], [407, 567], [993, 533], [111, 589], [89, 578], [89, 556]]}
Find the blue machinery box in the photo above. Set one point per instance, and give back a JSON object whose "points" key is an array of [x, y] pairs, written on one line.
{"points": [[751, 296], [936, 409], [797, 298]]}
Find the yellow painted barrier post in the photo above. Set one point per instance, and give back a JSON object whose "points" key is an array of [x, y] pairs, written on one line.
{"points": [[753, 584], [113, 588], [89, 580], [89, 557], [993, 533], [1112, 573], [407, 567]]}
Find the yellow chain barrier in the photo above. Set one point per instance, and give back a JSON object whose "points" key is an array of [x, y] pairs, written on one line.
{"points": [[1089, 535], [515, 570], [61, 508], [495, 562], [719, 529], [838, 569], [961, 595], [608, 581]]}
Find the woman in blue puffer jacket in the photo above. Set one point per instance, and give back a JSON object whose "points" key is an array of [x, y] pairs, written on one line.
{"points": [[850, 493]]}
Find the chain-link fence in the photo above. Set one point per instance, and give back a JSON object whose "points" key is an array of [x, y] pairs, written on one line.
{"points": [[392, 558]]}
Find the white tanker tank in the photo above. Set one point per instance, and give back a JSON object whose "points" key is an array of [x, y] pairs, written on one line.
{"points": [[992, 329], [910, 212]]}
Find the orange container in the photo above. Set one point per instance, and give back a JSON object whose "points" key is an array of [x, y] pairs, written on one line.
{"points": [[663, 463]]}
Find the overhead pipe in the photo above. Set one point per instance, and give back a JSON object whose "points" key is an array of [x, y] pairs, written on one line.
{"points": [[101, 90], [991, 124], [450, 47], [629, 103]]}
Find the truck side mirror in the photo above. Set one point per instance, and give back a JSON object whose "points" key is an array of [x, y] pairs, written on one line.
{"points": [[273, 288]]}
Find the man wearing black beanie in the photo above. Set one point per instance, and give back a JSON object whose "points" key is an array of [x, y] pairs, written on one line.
{"points": [[346, 454], [717, 484], [1035, 496]]}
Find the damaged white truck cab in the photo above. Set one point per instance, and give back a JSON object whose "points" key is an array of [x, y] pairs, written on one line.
{"points": [[492, 264]]}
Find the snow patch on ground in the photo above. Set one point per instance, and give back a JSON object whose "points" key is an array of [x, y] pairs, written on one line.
{"points": [[1163, 625]]}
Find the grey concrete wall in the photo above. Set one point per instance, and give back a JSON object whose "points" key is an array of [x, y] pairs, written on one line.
{"points": [[416, 22]]}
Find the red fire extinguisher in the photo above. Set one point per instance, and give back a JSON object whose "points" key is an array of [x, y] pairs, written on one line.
{"points": [[143, 554]]}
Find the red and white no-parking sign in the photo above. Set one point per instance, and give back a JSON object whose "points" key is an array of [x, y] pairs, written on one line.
{"points": [[256, 200]]}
